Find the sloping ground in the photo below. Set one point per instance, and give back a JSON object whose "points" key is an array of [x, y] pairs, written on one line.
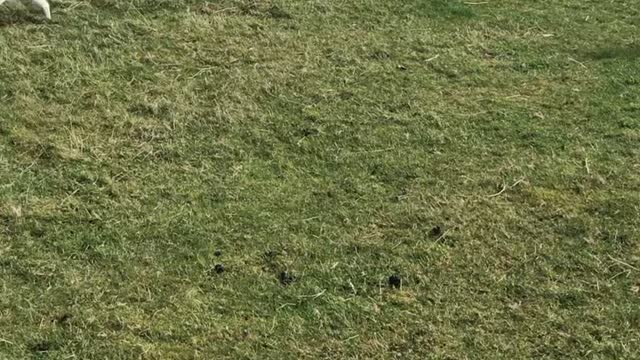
{"points": [[487, 153]]}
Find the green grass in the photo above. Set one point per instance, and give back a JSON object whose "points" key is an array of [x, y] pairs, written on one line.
{"points": [[328, 139]]}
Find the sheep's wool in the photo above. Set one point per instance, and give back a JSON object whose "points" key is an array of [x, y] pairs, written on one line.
{"points": [[41, 4]]}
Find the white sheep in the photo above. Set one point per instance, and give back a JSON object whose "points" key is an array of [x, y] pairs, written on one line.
{"points": [[42, 4]]}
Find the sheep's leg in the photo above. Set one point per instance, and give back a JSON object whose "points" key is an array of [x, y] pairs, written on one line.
{"points": [[44, 5]]}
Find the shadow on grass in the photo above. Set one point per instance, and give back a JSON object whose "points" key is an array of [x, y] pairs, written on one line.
{"points": [[19, 18], [628, 52]]}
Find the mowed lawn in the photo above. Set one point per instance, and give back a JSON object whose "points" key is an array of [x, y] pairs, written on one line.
{"points": [[239, 179]]}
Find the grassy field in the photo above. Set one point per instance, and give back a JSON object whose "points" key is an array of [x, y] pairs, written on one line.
{"points": [[239, 179]]}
